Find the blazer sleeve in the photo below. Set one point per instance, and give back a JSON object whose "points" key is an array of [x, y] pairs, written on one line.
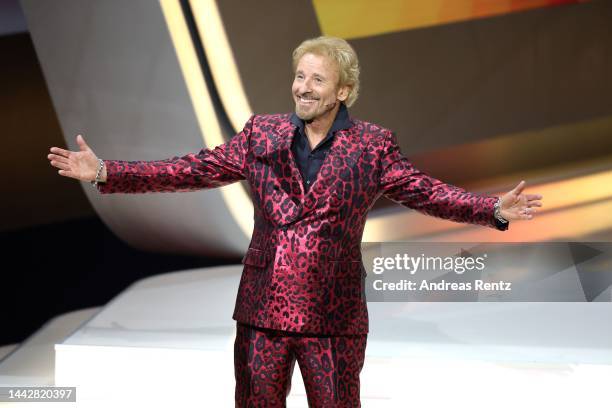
{"points": [[208, 168], [406, 185]]}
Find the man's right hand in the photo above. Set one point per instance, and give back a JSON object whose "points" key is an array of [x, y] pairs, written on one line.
{"points": [[81, 165]]}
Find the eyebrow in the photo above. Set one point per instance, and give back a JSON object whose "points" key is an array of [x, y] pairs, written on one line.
{"points": [[299, 71]]}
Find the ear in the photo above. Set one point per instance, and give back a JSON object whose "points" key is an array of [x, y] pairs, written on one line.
{"points": [[343, 93]]}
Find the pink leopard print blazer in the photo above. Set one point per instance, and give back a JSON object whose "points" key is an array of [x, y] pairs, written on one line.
{"points": [[303, 270]]}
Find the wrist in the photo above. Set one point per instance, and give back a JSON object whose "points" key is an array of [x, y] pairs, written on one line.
{"points": [[103, 173], [100, 173], [497, 212]]}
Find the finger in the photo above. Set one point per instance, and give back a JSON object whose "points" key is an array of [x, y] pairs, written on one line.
{"points": [[59, 165], [534, 204], [81, 142], [528, 213], [519, 188], [58, 158], [61, 152], [524, 215], [534, 196]]}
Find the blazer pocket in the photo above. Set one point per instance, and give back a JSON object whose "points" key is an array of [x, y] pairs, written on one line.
{"points": [[255, 257]]}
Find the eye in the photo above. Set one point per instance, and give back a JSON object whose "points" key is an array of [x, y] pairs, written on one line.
{"points": [[318, 80]]}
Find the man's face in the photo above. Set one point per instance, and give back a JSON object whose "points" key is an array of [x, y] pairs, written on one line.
{"points": [[315, 87]]}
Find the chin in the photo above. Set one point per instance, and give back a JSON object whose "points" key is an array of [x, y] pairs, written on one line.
{"points": [[303, 115]]}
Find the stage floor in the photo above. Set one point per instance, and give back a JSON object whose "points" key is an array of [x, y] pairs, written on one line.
{"points": [[174, 334], [168, 339]]}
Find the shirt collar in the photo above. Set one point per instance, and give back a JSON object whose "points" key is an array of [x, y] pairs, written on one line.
{"points": [[342, 121]]}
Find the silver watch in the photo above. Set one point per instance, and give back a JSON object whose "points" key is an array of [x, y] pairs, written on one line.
{"points": [[497, 212]]}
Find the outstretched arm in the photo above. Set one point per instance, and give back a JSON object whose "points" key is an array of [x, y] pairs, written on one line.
{"points": [[406, 185], [206, 169]]}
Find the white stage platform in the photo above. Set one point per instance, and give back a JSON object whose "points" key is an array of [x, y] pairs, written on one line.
{"points": [[168, 341]]}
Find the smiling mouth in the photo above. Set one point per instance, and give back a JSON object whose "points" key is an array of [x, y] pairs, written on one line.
{"points": [[306, 100]]}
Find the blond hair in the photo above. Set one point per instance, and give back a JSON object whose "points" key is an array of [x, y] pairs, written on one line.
{"points": [[340, 52]]}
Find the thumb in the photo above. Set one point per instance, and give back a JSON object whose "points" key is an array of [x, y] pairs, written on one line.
{"points": [[81, 142], [519, 188]]}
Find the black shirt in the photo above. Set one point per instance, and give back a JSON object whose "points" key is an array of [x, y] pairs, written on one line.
{"points": [[309, 161]]}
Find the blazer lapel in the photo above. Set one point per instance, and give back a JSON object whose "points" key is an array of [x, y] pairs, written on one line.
{"points": [[336, 168], [287, 178], [343, 155], [293, 184]]}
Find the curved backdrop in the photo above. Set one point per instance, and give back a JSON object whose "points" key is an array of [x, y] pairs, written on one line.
{"points": [[480, 97]]}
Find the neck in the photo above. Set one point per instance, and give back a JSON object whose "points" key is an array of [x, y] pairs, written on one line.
{"points": [[319, 126]]}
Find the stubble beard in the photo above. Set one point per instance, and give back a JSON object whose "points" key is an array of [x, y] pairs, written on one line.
{"points": [[309, 116], [304, 115]]}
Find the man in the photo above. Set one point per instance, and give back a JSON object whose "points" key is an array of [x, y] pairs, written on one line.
{"points": [[314, 175]]}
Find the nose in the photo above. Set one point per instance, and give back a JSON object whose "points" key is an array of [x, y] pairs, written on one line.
{"points": [[304, 87]]}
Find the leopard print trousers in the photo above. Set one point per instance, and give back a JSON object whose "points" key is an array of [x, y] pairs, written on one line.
{"points": [[264, 361]]}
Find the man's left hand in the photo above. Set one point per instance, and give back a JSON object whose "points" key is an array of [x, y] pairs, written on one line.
{"points": [[516, 206]]}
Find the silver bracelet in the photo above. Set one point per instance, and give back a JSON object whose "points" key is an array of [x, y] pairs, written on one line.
{"points": [[100, 167]]}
